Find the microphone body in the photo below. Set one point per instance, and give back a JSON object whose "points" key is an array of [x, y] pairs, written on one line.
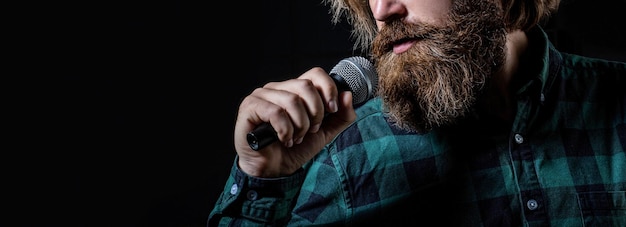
{"points": [[355, 74]]}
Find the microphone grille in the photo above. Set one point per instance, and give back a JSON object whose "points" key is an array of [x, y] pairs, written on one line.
{"points": [[359, 74]]}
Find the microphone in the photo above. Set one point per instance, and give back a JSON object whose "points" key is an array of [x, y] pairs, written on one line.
{"points": [[354, 74]]}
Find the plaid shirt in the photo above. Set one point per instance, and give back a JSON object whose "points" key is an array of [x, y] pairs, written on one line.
{"points": [[561, 162]]}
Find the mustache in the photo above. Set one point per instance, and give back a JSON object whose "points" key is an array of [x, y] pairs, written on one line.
{"points": [[395, 32]]}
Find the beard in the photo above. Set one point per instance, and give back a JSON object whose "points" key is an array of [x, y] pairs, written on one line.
{"points": [[439, 79]]}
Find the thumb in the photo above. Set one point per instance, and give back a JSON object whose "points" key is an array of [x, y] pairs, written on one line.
{"points": [[340, 120]]}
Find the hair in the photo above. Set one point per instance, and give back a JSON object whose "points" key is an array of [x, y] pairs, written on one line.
{"points": [[518, 14]]}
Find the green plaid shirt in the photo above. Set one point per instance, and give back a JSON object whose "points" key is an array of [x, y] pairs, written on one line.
{"points": [[561, 162]]}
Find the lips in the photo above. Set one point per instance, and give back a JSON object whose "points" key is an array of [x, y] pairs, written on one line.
{"points": [[403, 45], [398, 37]]}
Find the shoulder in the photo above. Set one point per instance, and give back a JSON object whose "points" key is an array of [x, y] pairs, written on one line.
{"points": [[372, 133], [593, 78], [590, 66]]}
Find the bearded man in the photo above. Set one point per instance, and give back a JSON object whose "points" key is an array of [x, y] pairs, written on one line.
{"points": [[477, 121]]}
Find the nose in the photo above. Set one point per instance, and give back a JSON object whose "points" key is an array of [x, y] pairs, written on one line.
{"points": [[386, 10]]}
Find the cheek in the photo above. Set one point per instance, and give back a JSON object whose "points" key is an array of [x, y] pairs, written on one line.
{"points": [[432, 12]]}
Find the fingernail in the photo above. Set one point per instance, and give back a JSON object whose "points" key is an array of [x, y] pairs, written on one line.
{"points": [[315, 128], [299, 140], [332, 106]]}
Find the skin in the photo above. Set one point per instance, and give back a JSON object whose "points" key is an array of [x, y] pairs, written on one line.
{"points": [[296, 107], [425, 11], [428, 11]]}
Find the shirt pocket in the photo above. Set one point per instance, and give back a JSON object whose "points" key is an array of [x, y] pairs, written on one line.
{"points": [[603, 208]]}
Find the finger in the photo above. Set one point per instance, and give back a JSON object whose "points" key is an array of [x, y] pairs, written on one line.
{"points": [[289, 109], [327, 89], [255, 110], [282, 110], [333, 124], [338, 121], [308, 88]]}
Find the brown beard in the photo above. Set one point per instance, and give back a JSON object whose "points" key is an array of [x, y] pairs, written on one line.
{"points": [[438, 80]]}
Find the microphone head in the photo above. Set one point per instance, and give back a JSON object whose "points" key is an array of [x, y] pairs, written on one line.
{"points": [[360, 76]]}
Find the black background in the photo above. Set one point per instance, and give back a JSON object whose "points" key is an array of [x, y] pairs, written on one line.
{"points": [[127, 111]]}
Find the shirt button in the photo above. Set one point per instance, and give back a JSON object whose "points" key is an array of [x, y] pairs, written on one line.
{"points": [[233, 189], [532, 204], [252, 195], [519, 139]]}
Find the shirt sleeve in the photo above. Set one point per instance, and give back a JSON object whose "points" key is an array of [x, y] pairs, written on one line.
{"points": [[252, 201]]}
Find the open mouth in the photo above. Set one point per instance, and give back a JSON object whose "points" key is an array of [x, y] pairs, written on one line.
{"points": [[403, 45]]}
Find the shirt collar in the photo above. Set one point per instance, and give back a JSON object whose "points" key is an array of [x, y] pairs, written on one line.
{"points": [[544, 62]]}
